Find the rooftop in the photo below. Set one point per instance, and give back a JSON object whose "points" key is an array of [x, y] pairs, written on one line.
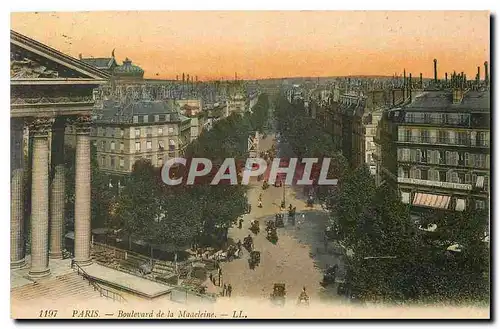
{"points": [[476, 101], [113, 112]]}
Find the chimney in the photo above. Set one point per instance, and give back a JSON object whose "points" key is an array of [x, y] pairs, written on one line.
{"points": [[80, 56], [404, 84], [409, 91], [486, 78], [393, 98], [435, 70], [446, 77], [421, 82]]}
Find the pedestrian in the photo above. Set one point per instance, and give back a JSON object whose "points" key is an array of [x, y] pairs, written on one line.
{"points": [[229, 290], [211, 278], [260, 204], [240, 223], [224, 290]]}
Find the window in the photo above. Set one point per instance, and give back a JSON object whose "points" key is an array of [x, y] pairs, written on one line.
{"points": [[112, 145], [137, 132], [467, 179], [480, 161], [426, 138], [467, 159], [442, 136], [149, 145], [103, 161], [483, 138], [170, 130], [160, 162], [160, 131], [103, 145], [157, 118], [401, 172], [149, 131], [419, 117], [415, 135], [122, 163], [145, 118], [401, 134], [171, 145], [433, 156], [137, 146], [112, 162], [122, 146], [415, 173], [452, 158], [433, 175], [480, 204], [122, 133], [462, 138], [486, 183], [435, 118], [135, 119], [161, 145]]}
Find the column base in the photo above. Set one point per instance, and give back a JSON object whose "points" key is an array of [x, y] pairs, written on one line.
{"points": [[39, 274], [17, 263], [56, 255], [82, 263]]}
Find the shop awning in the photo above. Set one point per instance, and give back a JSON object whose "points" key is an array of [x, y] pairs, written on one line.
{"points": [[431, 200], [460, 205]]}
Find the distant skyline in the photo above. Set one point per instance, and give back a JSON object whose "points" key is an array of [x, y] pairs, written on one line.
{"points": [[271, 44]]}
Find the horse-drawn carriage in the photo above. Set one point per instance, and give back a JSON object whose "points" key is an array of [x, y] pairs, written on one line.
{"points": [[254, 226], [272, 235], [279, 293], [248, 243], [278, 221], [254, 259]]}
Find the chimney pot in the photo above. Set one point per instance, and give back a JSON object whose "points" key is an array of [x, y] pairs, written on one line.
{"points": [[486, 77], [435, 70]]}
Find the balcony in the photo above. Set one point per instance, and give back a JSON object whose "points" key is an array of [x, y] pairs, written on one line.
{"points": [[423, 182], [445, 142]]}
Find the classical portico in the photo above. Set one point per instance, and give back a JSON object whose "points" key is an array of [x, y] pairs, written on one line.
{"points": [[49, 90]]}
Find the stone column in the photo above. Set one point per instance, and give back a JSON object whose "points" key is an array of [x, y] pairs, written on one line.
{"points": [[40, 198], [57, 190], [17, 242], [82, 191]]}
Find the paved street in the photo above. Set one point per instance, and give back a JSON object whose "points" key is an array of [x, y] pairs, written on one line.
{"points": [[297, 259]]}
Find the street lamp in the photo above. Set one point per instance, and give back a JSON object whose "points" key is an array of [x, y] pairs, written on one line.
{"points": [[283, 202]]}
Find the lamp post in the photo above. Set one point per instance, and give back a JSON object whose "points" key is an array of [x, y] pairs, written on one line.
{"points": [[283, 202]]}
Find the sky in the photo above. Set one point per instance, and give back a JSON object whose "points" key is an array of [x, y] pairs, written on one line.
{"points": [[270, 44]]}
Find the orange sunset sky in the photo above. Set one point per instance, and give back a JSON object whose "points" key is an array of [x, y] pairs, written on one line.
{"points": [[267, 44]]}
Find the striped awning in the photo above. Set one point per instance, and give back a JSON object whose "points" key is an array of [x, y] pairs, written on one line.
{"points": [[431, 200], [480, 182]]}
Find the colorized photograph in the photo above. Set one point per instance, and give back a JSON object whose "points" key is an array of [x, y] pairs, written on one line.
{"points": [[250, 165]]}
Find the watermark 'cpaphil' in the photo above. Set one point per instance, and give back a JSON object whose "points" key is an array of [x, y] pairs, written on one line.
{"points": [[202, 171]]}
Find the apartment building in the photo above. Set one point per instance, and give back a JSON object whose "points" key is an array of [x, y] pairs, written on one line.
{"points": [[154, 130], [436, 149]]}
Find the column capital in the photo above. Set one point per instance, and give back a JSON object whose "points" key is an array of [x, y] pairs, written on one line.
{"points": [[82, 124], [41, 126]]}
